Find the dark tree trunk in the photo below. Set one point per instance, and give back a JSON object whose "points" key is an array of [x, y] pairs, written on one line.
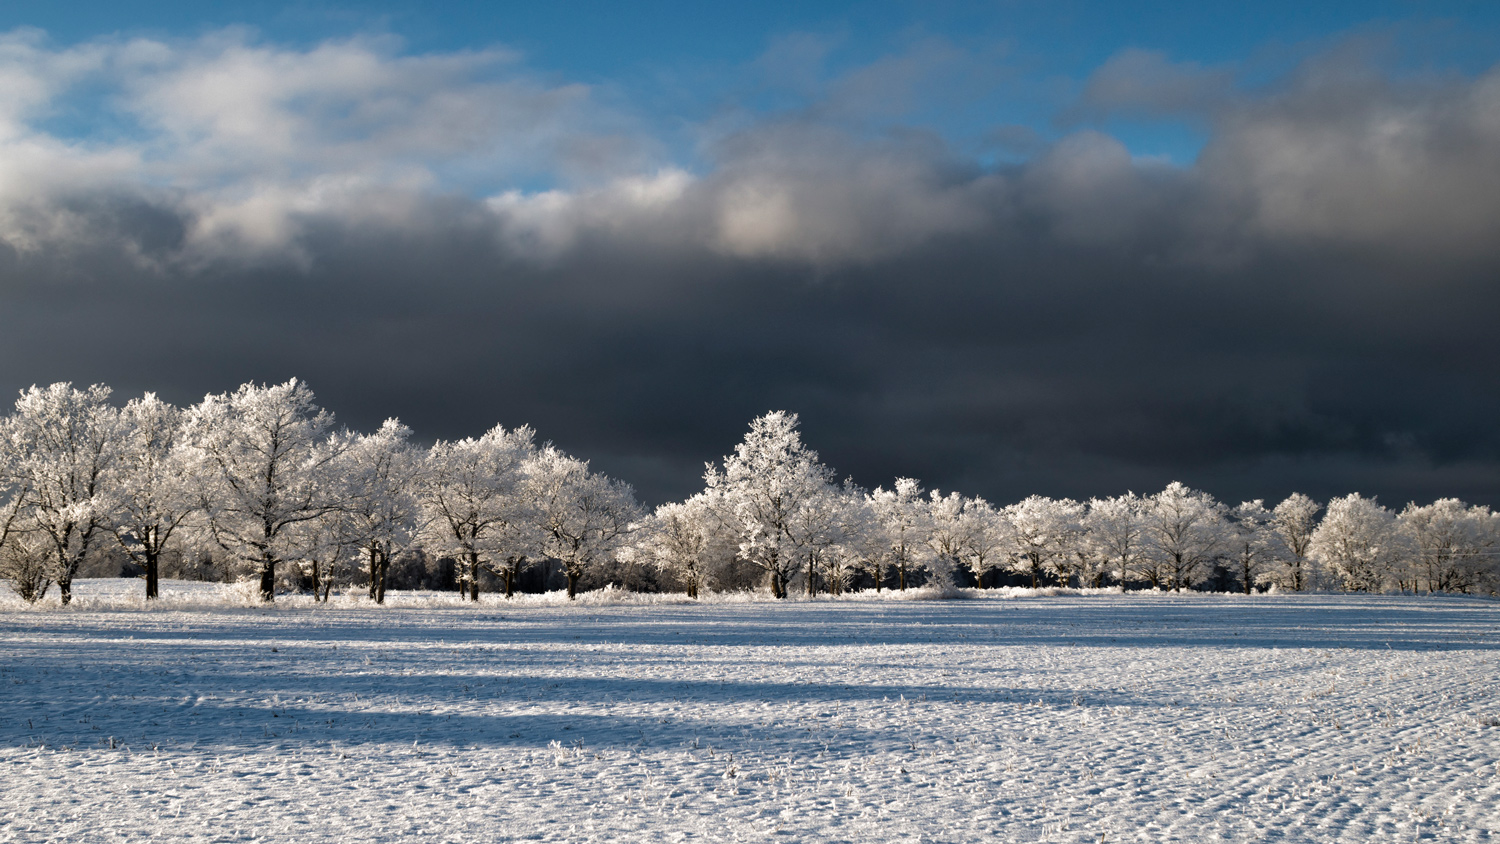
{"points": [[778, 587], [380, 570], [572, 584], [374, 572], [509, 576], [468, 584], [812, 585], [65, 571], [153, 569], [268, 580]]}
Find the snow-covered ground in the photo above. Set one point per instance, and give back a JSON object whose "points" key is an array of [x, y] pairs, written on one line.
{"points": [[997, 718]]}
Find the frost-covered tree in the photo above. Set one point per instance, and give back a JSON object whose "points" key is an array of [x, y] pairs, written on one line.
{"points": [[476, 506], [1114, 531], [813, 527], [865, 549], [854, 535], [1486, 561], [690, 542], [1185, 530], [985, 538], [1071, 561], [153, 479], [23, 558], [829, 531], [324, 546], [63, 443], [1357, 540], [381, 474], [584, 516], [1041, 531], [904, 520], [25, 564], [677, 539], [1254, 543], [263, 457], [1453, 544], [945, 519], [770, 476], [1029, 539], [1295, 519]]}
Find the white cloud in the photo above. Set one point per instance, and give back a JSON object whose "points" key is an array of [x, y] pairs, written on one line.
{"points": [[246, 137], [545, 224], [806, 193], [1359, 160], [252, 144]]}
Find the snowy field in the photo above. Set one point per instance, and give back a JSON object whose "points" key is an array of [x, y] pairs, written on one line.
{"points": [[1005, 717]]}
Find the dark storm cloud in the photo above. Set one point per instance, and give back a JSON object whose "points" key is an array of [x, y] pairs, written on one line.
{"points": [[1311, 306]]}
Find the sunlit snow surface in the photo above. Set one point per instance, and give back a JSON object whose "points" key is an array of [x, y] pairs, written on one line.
{"points": [[997, 718]]}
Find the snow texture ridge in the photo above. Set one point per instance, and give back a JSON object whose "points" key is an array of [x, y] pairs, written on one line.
{"points": [[1002, 718]]}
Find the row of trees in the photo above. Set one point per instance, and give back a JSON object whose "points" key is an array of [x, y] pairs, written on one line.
{"points": [[773, 504], [261, 476]]}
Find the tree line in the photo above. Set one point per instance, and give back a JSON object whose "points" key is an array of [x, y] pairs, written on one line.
{"points": [[262, 479]]}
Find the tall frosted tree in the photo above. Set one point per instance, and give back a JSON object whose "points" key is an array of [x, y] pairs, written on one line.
{"points": [[904, 519], [1295, 519], [679, 539], [1071, 561], [154, 481], [63, 443], [827, 529], [985, 536], [381, 473], [264, 460], [770, 475], [1254, 544], [23, 557], [585, 517], [945, 517], [475, 507], [1358, 542], [1185, 529], [853, 534], [1115, 533], [1042, 530]]}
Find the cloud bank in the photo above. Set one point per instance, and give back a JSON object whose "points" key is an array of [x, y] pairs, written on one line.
{"points": [[461, 240]]}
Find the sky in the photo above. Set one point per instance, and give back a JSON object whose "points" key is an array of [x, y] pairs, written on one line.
{"points": [[1066, 248]]}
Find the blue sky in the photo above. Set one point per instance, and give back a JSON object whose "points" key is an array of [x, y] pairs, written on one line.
{"points": [[675, 63]]}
